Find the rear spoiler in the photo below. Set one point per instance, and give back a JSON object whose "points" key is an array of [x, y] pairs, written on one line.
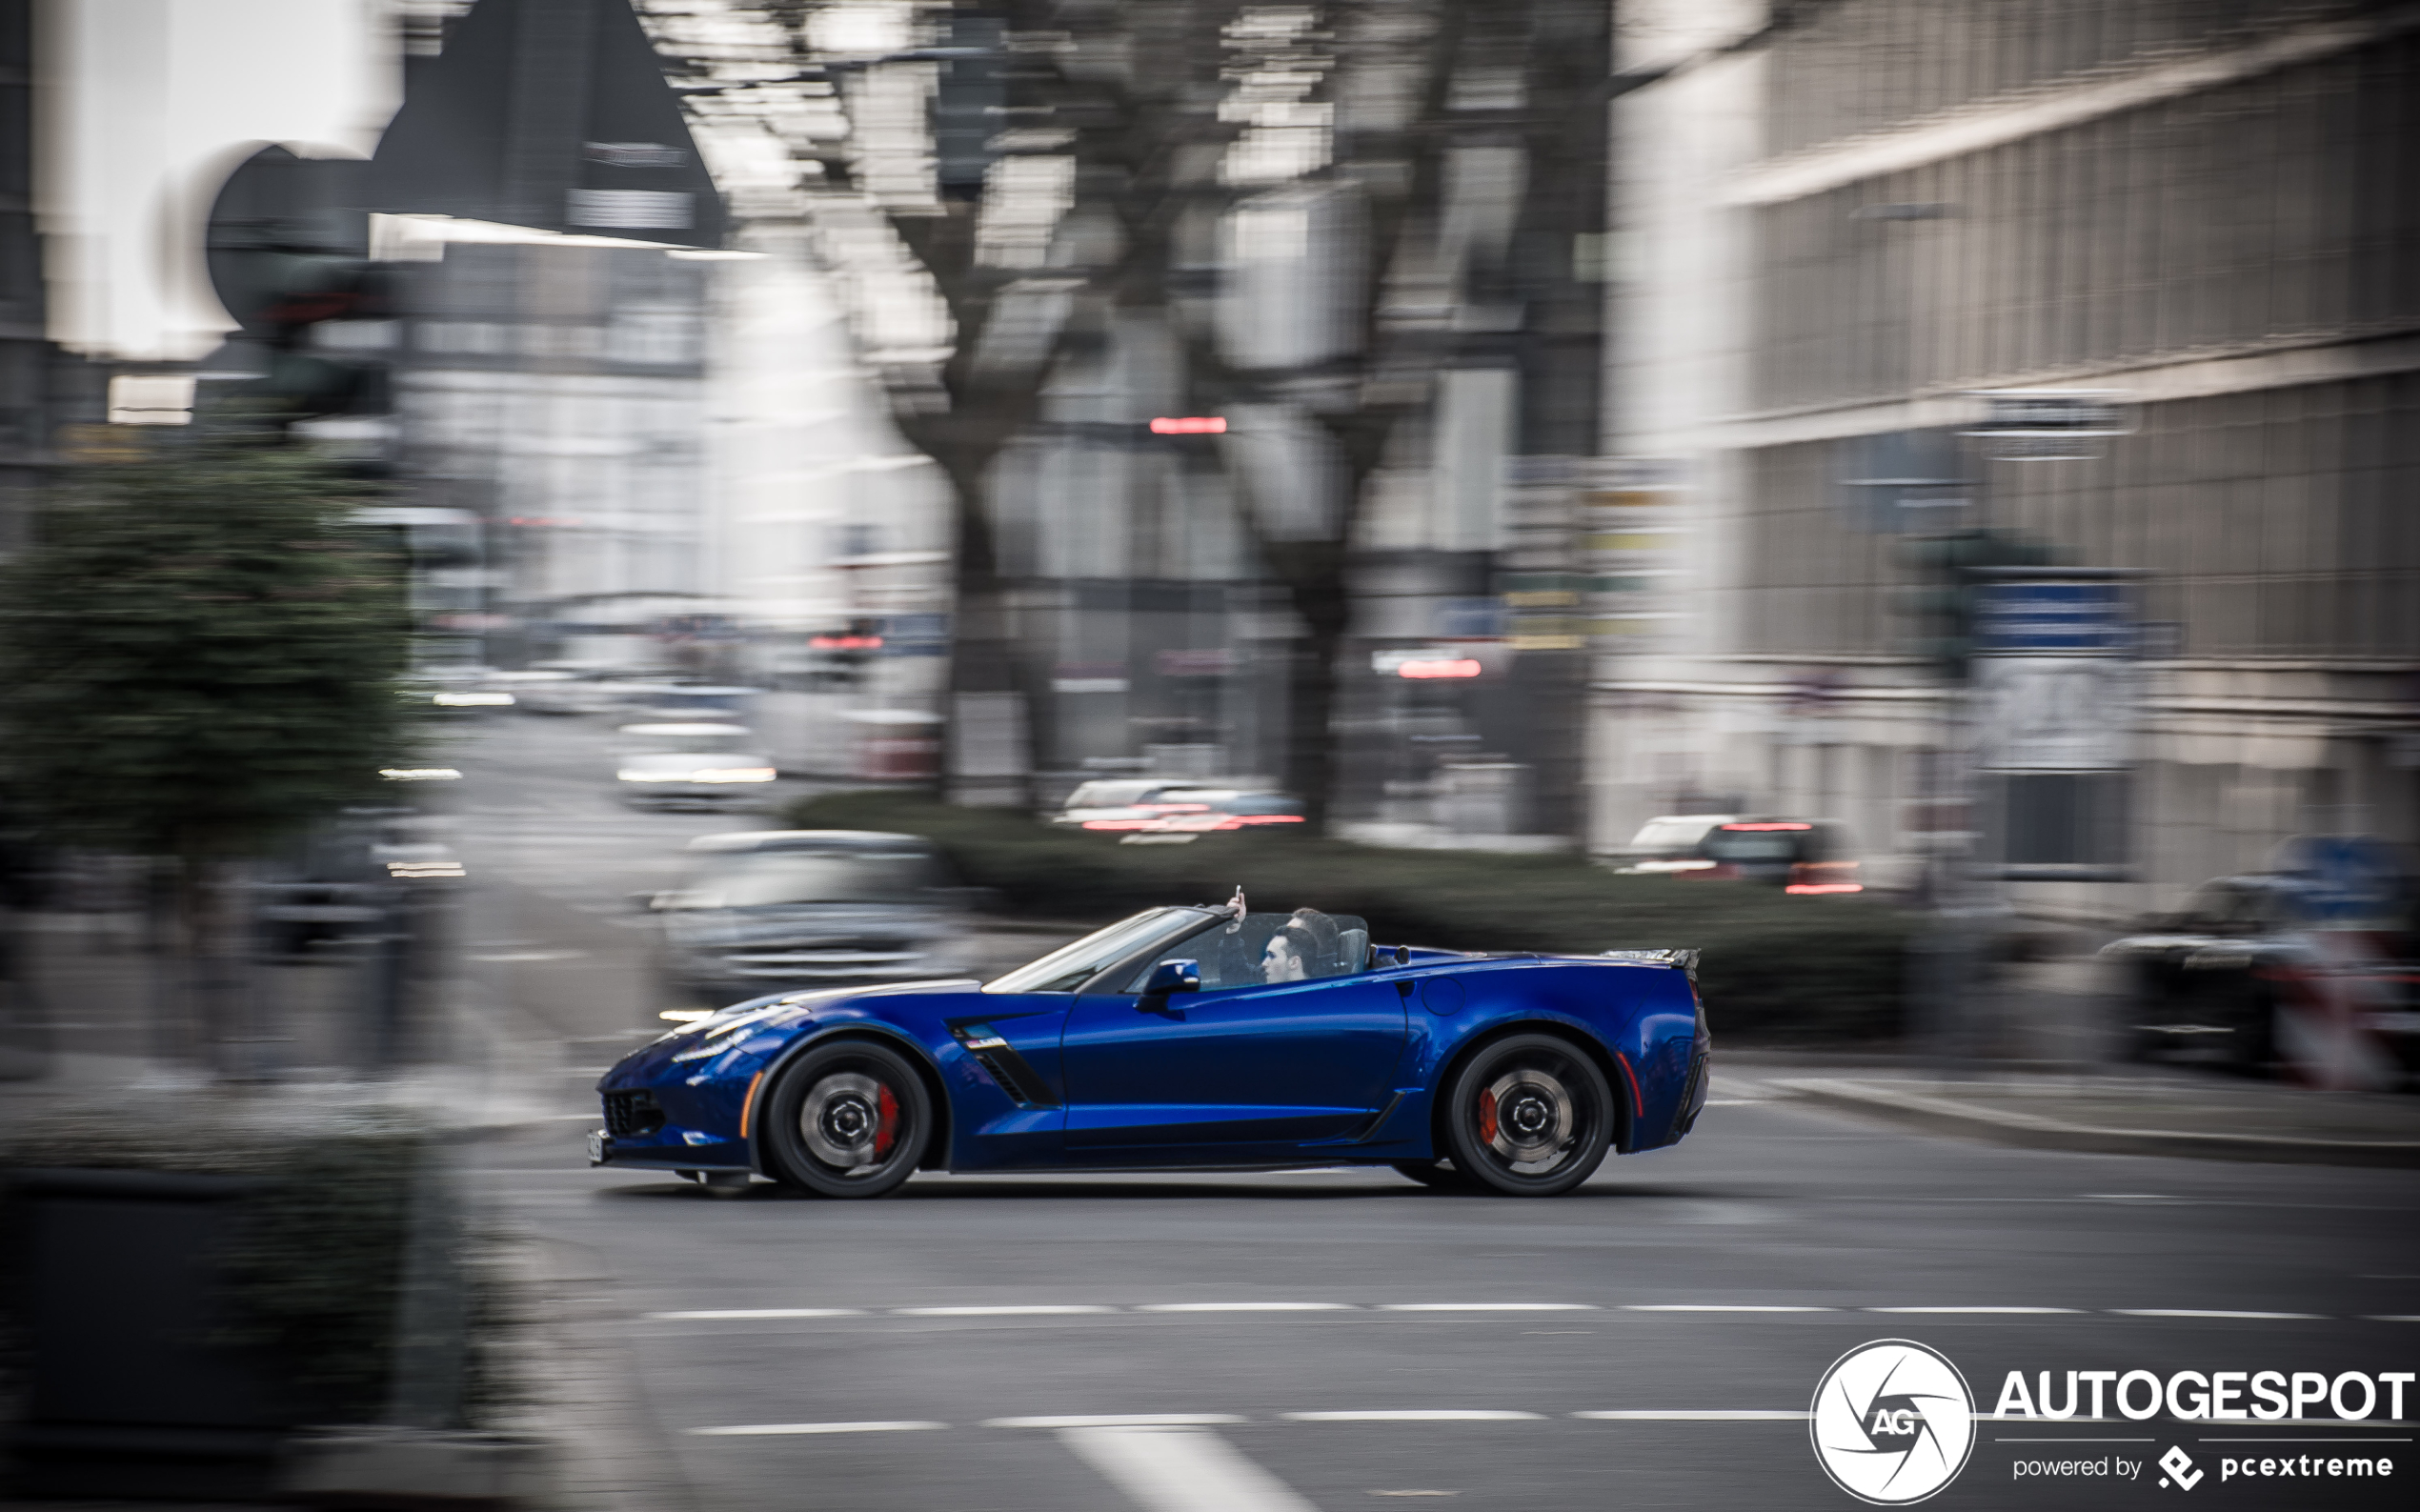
{"points": [[1686, 960]]}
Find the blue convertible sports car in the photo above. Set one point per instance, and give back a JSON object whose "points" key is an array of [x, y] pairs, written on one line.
{"points": [[1185, 1037]]}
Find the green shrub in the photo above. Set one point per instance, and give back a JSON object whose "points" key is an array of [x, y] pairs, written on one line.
{"points": [[1776, 969]]}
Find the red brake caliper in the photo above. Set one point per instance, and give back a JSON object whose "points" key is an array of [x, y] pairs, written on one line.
{"points": [[886, 1127], [1487, 1116]]}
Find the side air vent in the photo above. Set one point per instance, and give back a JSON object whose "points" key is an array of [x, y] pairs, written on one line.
{"points": [[1015, 1073]]}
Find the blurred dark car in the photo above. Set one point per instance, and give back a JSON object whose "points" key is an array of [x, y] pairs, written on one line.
{"points": [[2215, 981], [1806, 856], [793, 910]]}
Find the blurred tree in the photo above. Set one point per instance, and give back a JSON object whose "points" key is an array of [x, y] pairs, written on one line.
{"points": [[1122, 138], [199, 657]]}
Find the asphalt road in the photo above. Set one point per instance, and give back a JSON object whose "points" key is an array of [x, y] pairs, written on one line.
{"points": [[1342, 1339]]}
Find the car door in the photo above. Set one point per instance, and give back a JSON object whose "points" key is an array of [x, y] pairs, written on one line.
{"points": [[1256, 1065]]}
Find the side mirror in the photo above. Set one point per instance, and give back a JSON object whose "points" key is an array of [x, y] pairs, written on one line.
{"points": [[1172, 977]]}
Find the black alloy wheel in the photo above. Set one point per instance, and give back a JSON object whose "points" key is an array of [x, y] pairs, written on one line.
{"points": [[846, 1120], [1530, 1115]]}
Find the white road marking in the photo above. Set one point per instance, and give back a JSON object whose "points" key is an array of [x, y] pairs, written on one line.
{"points": [[1419, 1415], [1036, 1310], [1973, 1309], [1121, 1420], [766, 1429], [1698, 1414], [1488, 1307], [1094, 1309], [1173, 1469], [762, 1312], [1737, 1103], [1246, 1307], [2392, 1318], [2202, 1312], [1724, 1307]]}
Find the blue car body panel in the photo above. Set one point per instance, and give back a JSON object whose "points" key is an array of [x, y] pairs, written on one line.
{"points": [[1332, 1071]]}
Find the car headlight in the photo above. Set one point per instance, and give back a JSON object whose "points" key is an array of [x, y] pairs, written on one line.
{"points": [[733, 775]]}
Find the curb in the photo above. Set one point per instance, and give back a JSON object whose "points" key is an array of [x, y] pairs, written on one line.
{"points": [[1942, 1115]]}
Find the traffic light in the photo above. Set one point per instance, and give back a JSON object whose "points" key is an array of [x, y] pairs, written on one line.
{"points": [[1942, 604], [285, 249]]}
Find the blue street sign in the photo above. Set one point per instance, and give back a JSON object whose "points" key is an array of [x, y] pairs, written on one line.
{"points": [[2049, 617]]}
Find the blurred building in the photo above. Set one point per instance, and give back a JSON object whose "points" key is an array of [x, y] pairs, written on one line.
{"points": [[557, 394], [1824, 244]]}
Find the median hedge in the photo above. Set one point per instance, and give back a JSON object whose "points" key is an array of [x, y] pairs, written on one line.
{"points": [[1777, 969]]}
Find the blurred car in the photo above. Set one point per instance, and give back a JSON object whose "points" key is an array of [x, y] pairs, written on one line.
{"points": [[1669, 843], [560, 689], [687, 700], [455, 685], [693, 779], [690, 764], [1115, 803], [1805, 856], [1185, 1037], [2249, 955], [1211, 813], [781, 910]]}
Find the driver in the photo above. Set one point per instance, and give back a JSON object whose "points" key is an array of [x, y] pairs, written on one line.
{"points": [[1287, 957], [1303, 947]]}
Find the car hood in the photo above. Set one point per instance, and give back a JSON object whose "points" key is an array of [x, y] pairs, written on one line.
{"points": [[762, 1025]]}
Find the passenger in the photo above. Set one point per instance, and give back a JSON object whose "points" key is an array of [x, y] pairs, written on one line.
{"points": [[1322, 936]]}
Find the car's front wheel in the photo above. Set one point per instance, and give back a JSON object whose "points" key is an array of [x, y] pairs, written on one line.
{"points": [[1530, 1115], [846, 1120]]}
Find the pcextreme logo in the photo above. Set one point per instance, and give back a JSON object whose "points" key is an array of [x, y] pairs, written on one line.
{"points": [[1892, 1422]]}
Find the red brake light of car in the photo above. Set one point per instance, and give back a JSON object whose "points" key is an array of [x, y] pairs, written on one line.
{"points": [[1458, 667], [1189, 425], [1791, 826], [1807, 888]]}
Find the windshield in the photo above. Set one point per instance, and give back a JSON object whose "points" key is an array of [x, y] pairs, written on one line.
{"points": [[1755, 845], [1071, 966], [1267, 950], [760, 879]]}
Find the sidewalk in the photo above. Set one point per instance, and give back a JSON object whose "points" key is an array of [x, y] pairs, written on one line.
{"points": [[2139, 1111]]}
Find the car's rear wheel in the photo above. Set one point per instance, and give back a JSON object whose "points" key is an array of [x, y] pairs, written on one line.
{"points": [[1530, 1115], [1433, 1173], [846, 1120]]}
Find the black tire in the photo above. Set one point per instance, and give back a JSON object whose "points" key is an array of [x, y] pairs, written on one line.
{"points": [[1433, 1173], [1530, 1115], [846, 1120]]}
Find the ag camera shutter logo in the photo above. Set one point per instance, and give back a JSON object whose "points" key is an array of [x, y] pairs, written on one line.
{"points": [[1893, 1422]]}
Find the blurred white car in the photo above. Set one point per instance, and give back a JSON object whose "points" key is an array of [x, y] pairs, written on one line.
{"points": [[691, 764], [1123, 803], [1670, 842]]}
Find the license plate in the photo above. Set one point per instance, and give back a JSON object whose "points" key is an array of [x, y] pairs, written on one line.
{"points": [[596, 1145]]}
